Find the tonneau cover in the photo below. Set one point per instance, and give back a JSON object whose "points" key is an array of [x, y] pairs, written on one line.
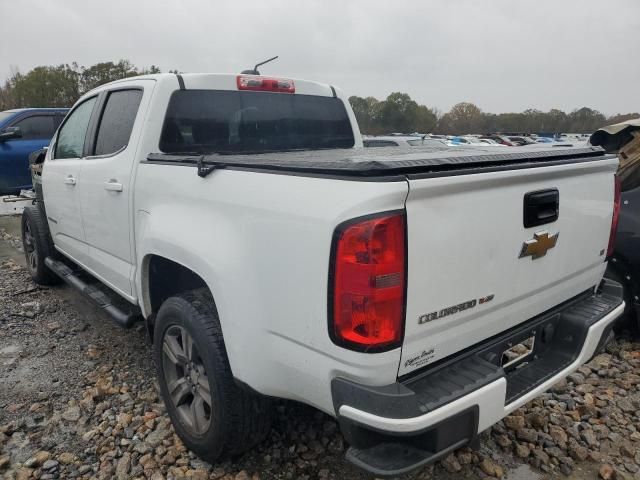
{"points": [[382, 161]]}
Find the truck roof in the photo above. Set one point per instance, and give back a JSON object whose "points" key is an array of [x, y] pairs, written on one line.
{"points": [[225, 81]]}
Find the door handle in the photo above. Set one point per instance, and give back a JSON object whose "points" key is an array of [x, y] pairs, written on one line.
{"points": [[70, 180], [541, 207], [113, 186]]}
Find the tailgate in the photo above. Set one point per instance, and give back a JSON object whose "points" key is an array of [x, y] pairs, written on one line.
{"points": [[470, 273]]}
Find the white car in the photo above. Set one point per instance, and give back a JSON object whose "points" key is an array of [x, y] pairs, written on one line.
{"points": [[418, 297], [403, 141], [472, 141]]}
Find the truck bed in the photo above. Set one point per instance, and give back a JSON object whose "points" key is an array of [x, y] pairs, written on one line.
{"points": [[385, 162]]}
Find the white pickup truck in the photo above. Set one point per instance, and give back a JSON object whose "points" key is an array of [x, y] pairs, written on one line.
{"points": [[418, 297]]}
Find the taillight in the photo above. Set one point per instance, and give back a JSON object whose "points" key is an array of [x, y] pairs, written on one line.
{"points": [[615, 217], [368, 278], [265, 84]]}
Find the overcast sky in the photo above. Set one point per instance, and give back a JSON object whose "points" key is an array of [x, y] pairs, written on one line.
{"points": [[503, 55]]}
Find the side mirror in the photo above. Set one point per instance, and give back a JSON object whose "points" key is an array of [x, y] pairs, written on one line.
{"points": [[9, 133]]}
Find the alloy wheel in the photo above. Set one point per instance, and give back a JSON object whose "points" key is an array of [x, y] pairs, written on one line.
{"points": [[30, 246], [186, 379]]}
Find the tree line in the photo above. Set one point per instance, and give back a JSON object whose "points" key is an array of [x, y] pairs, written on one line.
{"points": [[62, 85], [399, 113]]}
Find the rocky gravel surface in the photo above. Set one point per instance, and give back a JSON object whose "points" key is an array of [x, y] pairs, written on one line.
{"points": [[78, 399]]}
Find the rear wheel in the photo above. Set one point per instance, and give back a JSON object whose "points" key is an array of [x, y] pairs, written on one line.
{"points": [[211, 414], [37, 245]]}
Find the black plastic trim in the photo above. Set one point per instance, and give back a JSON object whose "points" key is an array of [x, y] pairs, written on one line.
{"points": [[531, 211], [104, 301], [92, 128], [345, 178], [391, 455], [331, 282], [458, 375], [349, 164], [418, 395], [180, 81]]}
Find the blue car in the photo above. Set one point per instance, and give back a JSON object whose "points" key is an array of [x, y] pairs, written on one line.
{"points": [[23, 131]]}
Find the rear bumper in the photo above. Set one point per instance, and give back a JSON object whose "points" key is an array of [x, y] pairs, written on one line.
{"points": [[399, 427]]}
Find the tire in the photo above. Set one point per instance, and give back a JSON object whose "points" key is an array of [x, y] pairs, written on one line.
{"points": [[37, 245], [237, 418]]}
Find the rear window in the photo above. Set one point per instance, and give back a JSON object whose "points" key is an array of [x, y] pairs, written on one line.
{"points": [[117, 120], [222, 121]]}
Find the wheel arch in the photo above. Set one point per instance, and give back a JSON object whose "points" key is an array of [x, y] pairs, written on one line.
{"points": [[163, 277]]}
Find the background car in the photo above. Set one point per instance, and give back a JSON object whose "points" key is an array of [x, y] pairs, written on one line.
{"points": [[23, 131], [521, 140], [624, 264], [474, 141], [403, 141], [501, 139]]}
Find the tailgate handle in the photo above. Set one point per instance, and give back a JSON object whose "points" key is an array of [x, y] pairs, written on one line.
{"points": [[541, 207]]}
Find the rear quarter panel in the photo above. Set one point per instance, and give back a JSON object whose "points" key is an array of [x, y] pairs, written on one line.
{"points": [[262, 242]]}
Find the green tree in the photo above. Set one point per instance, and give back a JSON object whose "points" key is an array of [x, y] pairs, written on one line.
{"points": [[398, 113], [463, 118], [62, 85], [555, 121], [45, 87], [106, 72], [366, 112], [425, 120], [586, 120], [622, 117]]}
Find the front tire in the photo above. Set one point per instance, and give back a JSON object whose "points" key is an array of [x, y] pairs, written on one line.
{"points": [[37, 245], [210, 413]]}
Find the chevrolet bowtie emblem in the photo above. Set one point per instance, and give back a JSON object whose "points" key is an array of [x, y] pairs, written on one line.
{"points": [[538, 247]]}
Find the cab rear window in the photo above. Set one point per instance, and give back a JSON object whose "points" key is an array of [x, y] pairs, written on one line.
{"points": [[222, 121]]}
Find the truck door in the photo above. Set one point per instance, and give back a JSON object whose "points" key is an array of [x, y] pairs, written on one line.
{"points": [[107, 181], [61, 180]]}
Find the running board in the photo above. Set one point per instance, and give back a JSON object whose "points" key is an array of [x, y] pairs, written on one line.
{"points": [[100, 298]]}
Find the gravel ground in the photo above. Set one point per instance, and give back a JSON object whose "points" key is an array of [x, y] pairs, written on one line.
{"points": [[78, 399]]}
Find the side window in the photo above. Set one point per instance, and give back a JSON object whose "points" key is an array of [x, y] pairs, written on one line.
{"points": [[71, 137], [36, 127], [117, 121]]}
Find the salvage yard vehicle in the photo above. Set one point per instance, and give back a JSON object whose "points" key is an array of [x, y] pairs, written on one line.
{"points": [[23, 131], [416, 296], [624, 263]]}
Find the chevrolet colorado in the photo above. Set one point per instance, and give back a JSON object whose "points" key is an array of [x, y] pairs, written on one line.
{"points": [[418, 297]]}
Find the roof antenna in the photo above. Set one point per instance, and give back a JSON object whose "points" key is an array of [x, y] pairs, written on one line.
{"points": [[255, 69]]}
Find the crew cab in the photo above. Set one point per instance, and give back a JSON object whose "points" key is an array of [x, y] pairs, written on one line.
{"points": [[417, 296], [23, 131]]}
